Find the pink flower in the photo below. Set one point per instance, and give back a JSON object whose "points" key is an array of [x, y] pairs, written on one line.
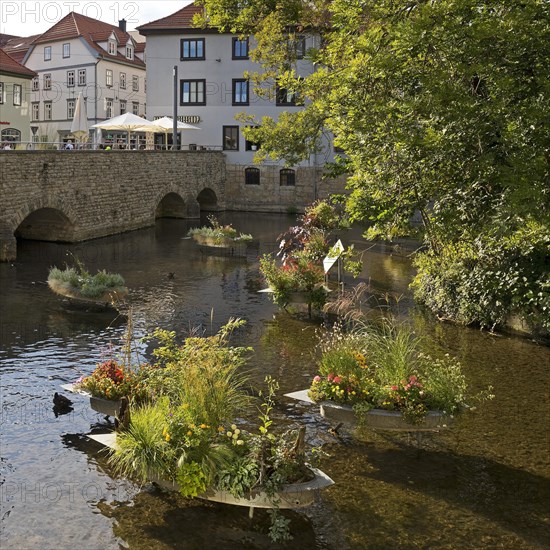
{"points": [[337, 380], [413, 379], [317, 379], [330, 377], [394, 388]]}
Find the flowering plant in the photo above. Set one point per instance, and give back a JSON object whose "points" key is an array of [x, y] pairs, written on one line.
{"points": [[385, 368], [181, 434], [112, 380]]}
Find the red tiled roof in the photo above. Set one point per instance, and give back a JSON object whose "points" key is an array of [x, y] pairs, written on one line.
{"points": [[11, 66], [5, 38], [18, 46], [182, 19], [140, 47], [93, 31]]}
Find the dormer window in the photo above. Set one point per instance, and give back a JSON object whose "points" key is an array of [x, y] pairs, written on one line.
{"points": [[129, 52], [112, 47]]}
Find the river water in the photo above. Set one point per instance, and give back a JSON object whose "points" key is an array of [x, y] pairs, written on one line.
{"points": [[485, 483]]}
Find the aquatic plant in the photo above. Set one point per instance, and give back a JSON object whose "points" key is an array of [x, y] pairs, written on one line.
{"points": [[80, 282], [218, 234], [384, 366]]}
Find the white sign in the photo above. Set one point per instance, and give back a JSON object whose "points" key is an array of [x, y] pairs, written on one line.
{"points": [[333, 254]]}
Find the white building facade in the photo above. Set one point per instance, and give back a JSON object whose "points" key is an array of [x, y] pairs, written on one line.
{"points": [[211, 90], [80, 54]]}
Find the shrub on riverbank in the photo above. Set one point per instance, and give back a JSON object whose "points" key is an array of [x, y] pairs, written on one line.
{"points": [[489, 279]]}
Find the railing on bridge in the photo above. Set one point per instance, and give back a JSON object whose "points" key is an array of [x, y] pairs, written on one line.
{"points": [[65, 146]]}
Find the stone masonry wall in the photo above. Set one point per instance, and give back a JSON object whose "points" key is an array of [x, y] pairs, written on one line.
{"points": [[270, 196], [98, 193], [78, 195]]}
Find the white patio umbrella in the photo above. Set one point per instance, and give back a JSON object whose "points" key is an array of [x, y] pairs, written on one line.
{"points": [[127, 122], [165, 125], [79, 125]]}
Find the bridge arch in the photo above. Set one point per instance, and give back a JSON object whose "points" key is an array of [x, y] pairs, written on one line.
{"points": [[208, 200], [45, 221], [171, 203]]}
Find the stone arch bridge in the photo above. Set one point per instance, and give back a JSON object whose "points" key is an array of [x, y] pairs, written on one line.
{"points": [[72, 196]]}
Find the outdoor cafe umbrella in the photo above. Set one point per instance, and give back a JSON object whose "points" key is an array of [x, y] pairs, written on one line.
{"points": [[165, 125], [127, 122], [79, 125]]}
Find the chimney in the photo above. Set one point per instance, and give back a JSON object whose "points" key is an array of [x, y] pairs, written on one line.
{"points": [[122, 25]]}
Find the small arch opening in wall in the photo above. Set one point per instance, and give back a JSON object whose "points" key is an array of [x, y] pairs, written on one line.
{"points": [[171, 206], [46, 224], [208, 200]]}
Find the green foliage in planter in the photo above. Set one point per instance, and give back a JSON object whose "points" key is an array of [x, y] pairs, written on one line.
{"points": [[80, 281], [203, 373], [485, 280], [219, 233], [385, 367], [299, 274], [142, 450]]}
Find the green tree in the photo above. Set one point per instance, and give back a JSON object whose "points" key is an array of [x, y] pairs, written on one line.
{"points": [[441, 108]]}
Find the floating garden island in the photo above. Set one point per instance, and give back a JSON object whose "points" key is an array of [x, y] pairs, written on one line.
{"points": [[300, 275], [107, 290], [184, 427], [379, 377], [221, 237]]}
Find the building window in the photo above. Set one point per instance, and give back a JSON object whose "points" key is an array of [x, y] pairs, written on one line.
{"points": [[252, 176], [285, 97], [112, 47], [70, 79], [35, 111], [35, 85], [122, 106], [47, 110], [10, 134], [82, 77], [1, 93], [240, 92], [66, 50], [129, 52], [48, 53], [135, 83], [47, 82], [108, 108], [109, 78], [122, 81], [296, 45], [231, 138], [135, 108], [240, 48], [17, 88], [70, 108], [287, 177], [192, 92], [191, 49]]}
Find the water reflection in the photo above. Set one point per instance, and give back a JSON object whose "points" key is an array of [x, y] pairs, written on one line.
{"points": [[482, 484]]}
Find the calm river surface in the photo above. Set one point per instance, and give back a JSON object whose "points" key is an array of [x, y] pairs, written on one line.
{"points": [[483, 484]]}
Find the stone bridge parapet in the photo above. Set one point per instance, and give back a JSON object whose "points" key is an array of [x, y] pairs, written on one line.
{"points": [[71, 196]]}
